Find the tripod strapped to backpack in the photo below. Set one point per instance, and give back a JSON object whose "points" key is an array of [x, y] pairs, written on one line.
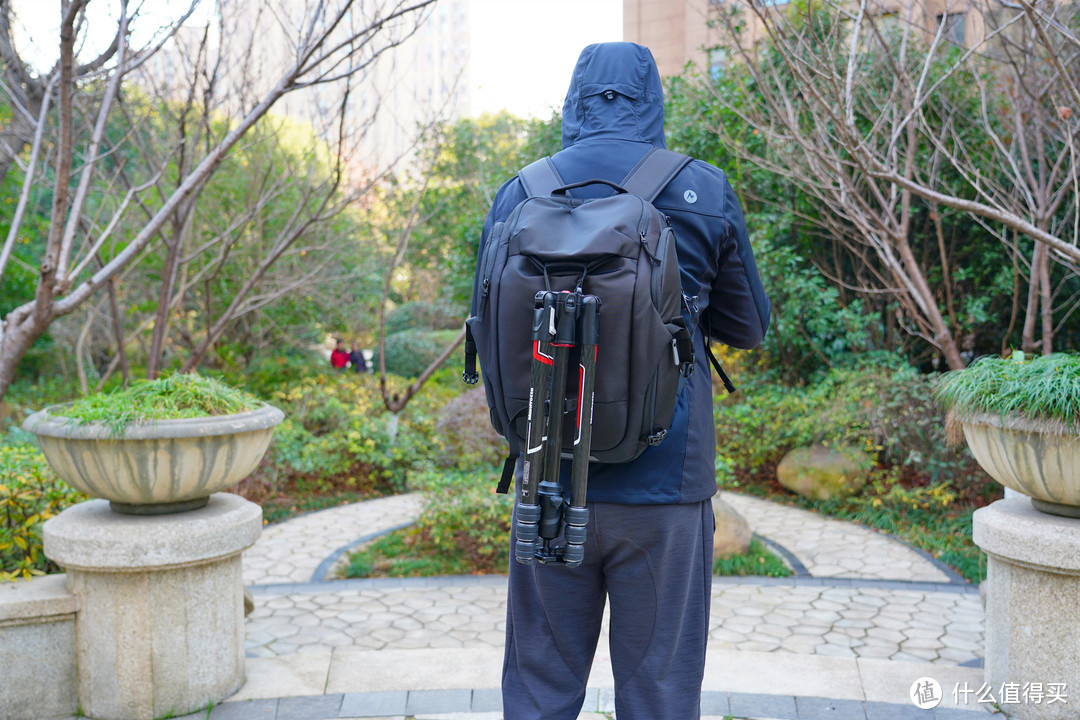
{"points": [[562, 321]]}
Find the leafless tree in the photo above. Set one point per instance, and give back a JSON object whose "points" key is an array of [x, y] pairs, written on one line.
{"points": [[864, 108], [331, 43]]}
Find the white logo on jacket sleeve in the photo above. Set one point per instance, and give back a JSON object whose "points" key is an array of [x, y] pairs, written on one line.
{"points": [[690, 196]]}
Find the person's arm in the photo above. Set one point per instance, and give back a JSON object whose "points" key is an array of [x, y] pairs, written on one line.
{"points": [[738, 312]]}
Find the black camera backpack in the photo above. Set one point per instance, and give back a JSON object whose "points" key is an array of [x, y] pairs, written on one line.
{"points": [[619, 248]]}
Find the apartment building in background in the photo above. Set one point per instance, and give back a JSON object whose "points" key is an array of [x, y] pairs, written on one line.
{"points": [[678, 32], [251, 44]]}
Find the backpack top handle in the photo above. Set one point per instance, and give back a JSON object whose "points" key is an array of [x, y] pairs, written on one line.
{"points": [[619, 189]]}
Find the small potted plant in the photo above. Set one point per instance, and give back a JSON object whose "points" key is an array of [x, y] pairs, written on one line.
{"points": [[156, 447], [1021, 418]]}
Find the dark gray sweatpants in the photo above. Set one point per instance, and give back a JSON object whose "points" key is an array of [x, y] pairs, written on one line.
{"points": [[654, 564]]}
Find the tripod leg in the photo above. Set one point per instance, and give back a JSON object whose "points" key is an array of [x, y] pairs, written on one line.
{"points": [[550, 489], [528, 510], [577, 515]]}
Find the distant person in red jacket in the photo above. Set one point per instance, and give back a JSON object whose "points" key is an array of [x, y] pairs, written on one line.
{"points": [[339, 358]]}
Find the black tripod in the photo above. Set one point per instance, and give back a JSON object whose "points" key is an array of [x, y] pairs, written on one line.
{"points": [[562, 321]]}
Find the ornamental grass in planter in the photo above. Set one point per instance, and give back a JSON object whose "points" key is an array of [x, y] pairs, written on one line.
{"points": [[1021, 419], [156, 447]]}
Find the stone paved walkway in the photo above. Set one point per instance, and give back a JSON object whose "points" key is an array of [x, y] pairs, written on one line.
{"points": [[292, 551], [858, 597], [894, 602], [833, 548]]}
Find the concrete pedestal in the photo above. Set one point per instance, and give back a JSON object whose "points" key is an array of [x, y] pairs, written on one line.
{"points": [[1032, 605], [160, 621]]}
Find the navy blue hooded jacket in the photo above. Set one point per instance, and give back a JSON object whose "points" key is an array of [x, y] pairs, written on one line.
{"points": [[613, 114]]}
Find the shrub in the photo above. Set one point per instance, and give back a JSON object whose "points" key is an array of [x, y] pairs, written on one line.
{"points": [[338, 435], [410, 352], [335, 427], [422, 316], [465, 432], [888, 412], [268, 373], [464, 515], [922, 489], [30, 494], [464, 528]]}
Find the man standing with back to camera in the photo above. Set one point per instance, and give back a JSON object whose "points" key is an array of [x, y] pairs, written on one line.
{"points": [[649, 543]]}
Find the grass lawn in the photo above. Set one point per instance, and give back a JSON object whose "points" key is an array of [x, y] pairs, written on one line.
{"points": [[405, 553]]}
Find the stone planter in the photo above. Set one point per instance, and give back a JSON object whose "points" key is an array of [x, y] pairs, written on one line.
{"points": [[156, 467], [1032, 618], [1030, 457], [159, 630]]}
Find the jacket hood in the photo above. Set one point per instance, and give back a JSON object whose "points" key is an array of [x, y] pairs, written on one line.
{"points": [[615, 92]]}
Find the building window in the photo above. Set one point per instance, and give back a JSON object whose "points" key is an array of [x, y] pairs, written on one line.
{"points": [[718, 63]]}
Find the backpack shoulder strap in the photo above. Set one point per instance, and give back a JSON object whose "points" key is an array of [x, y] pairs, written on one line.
{"points": [[653, 172], [540, 178]]}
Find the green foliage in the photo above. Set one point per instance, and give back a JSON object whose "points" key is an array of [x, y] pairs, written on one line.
{"points": [[758, 560], [800, 345], [335, 431], [419, 315], [470, 159], [270, 371], [30, 494], [465, 433], [338, 436], [888, 412], [410, 352], [168, 398], [464, 528], [922, 490], [1045, 387]]}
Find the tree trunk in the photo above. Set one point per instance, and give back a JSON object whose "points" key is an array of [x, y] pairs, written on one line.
{"points": [[118, 330], [20, 332], [181, 222], [1028, 343], [1046, 303]]}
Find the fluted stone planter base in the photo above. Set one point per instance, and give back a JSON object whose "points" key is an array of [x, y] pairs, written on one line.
{"points": [[160, 625], [1032, 614]]}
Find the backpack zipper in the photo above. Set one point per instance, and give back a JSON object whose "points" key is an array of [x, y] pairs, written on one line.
{"points": [[487, 266], [661, 251]]}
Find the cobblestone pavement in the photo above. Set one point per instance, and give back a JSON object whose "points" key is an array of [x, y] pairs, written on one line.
{"points": [[834, 548], [292, 551], [860, 594], [853, 622]]}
